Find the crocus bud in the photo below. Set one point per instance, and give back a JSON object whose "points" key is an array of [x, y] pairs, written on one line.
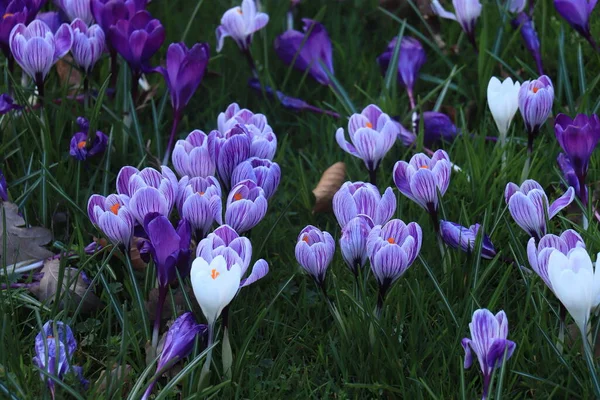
{"points": [[3, 188], [314, 252], [576, 283], [214, 285], [246, 206], [503, 100], [361, 198], [577, 13], [578, 138], [422, 177], [36, 49], [108, 12], [228, 149], [76, 9], [489, 342], [438, 127], [14, 12], [372, 133], [112, 217], [466, 13], [310, 50], [539, 255], [460, 237], [33, 9], [191, 156], [88, 44], [530, 37], [79, 149], [353, 242], [535, 102], [200, 203], [264, 173], [566, 167], [410, 60], [529, 206], [240, 23], [7, 104]]}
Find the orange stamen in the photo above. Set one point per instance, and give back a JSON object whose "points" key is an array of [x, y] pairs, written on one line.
{"points": [[369, 125], [81, 144], [200, 193], [305, 238], [237, 196], [115, 208], [50, 337], [424, 167], [391, 240], [7, 15], [214, 274], [535, 90]]}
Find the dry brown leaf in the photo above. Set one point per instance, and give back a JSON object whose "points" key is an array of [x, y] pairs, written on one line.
{"points": [[73, 287], [136, 260], [118, 374], [21, 243], [68, 74], [330, 183]]}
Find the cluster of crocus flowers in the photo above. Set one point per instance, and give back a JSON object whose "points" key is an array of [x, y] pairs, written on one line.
{"points": [[81, 147], [466, 13]]}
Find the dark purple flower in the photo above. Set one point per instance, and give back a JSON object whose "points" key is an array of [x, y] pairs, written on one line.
{"points": [[88, 44], [79, 149], [314, 252], [361, 198], [488, 342], [191, 156], [535, 102], [51, 18], [13, 12], [570, 176], [310, 50], [264, 173], [33, 8], [240, 23], [410, 60], [353, 242], [530, 37], [112, 217], [228, 149], [246, 206], [76, 9], [437, 127], [108, 12], [184, 71], [137, 39], [3, 188], [200, 203], [7, 104], [577, 13], [578, 138], [460, 237]]}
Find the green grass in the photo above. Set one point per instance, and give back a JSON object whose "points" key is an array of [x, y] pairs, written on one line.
{"points": [[286, 342]]}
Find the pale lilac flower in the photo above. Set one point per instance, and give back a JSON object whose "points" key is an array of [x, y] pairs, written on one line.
{"points": [[353, 242], [200, 203], [191, 156], [535, 102], [88, 44], [240, 23], [460, 237], [246, 206], [263, 172], [361, 198], [112, 217], [228, 149], [76, 9], [314, 252]]}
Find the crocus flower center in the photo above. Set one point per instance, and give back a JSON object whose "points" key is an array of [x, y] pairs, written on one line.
{"points": [[214, 274], [239, 10], [115, 208], [305, 238], [50, 337], [7, 15], [391, 240], [237, 196], [369, 125], [535, 90], [423, 167], [200, 193], [81, 144]]}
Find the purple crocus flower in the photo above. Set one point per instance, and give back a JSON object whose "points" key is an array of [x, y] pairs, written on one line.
{"points": [[246, 206], [137, 39], [3, 188], [353, 242], [36, 49], [314, 252], [240, 23], [108, 12], [228, 149], [570, 177], [577, 13], [200, 203], [13, 12], [7, 104], [309, 51], [539, 255], [410, 60], [51, 18], [488, 342], [535, 102], [225, 241], [264, 173], [530, 37], [529, 206], [191, 156], [466, 14], [88, 44], [460, 237], [392, 248], [422, 177], [372, 133], [361, 198], [79, 148], [112, 217], [437, 127], [33, 8], [148, 191], [76, 9]]}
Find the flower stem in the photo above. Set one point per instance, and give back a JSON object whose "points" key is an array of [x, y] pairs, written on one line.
{"points": [[162, 295], [226, 355], [86, 92], [251, 63], [373, 176], [527, 167], [114, 66], [138, 295], [176, 120], [135, 77], [206, 367], [589, 358]]}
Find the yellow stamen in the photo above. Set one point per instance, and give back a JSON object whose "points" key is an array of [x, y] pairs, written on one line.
{"points": [[115, 208], [81, 144], [214, 274], [391, 240]]}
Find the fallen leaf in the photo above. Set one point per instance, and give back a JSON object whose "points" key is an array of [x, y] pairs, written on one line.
{"points": [[178, 300], [118, 375], [330, 183], [73, 287], [21, 243], [68, 74], [136, 260]]}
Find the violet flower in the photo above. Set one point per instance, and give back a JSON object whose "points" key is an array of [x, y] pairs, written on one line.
{"points": [[460, 237], [108, 12], [76, 9], [7, 104], [112, 217], [529, 206], [361, 198], [240, 23], [246, 206], [33, 8], [3, 188], [570, 177], [79, 147], [309, 51], [191, 156], [437, 127], [200, 203], [392, 248], [539, 254], [228, 149], [530, 38], [466, 13], [50, 18], [353, 242], [314, 252], [88, 44], [13, 12], [535, 103], [372, 133], [264, 173], [577, 13], [488, 342]]}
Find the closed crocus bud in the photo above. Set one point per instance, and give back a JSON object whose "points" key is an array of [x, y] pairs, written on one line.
{"points": [[489, 342], [566, 167], [191, 156], [539, 255], [577, 13], [466, 13], [228, 149], [88, 44], [76, 9], [503, 100], [7, 104], [226, 120], [535, 102], [108, 12], [246, 206], [264, 173], [214, 285], [460, 237], [79, 148], [314, 252], [438, 127], [3, 188], [263, 143], [372, 135], [148, 191], [36, 49], [51, 18], [310, 50], [13, 12], [240, 23], [112, 217], [353, 242], [422, 177], [576, 283], [578, 138], [530, 37], [200, 203], [529, 206], [361, 198], [137, 39]]}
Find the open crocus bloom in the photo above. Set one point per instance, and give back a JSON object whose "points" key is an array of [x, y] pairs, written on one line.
{"points": [[112, 217], [362, 198], [240, 23]]}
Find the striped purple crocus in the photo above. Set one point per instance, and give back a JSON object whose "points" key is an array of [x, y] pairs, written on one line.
{"points": [[246, 206], [88, 44], [200, 203], [228, 149], [314, 252], [240, 23], [76, 9], [263, 172], [361, 198], [463, 238], [353, 242], [191, 156], [111, 216]]}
